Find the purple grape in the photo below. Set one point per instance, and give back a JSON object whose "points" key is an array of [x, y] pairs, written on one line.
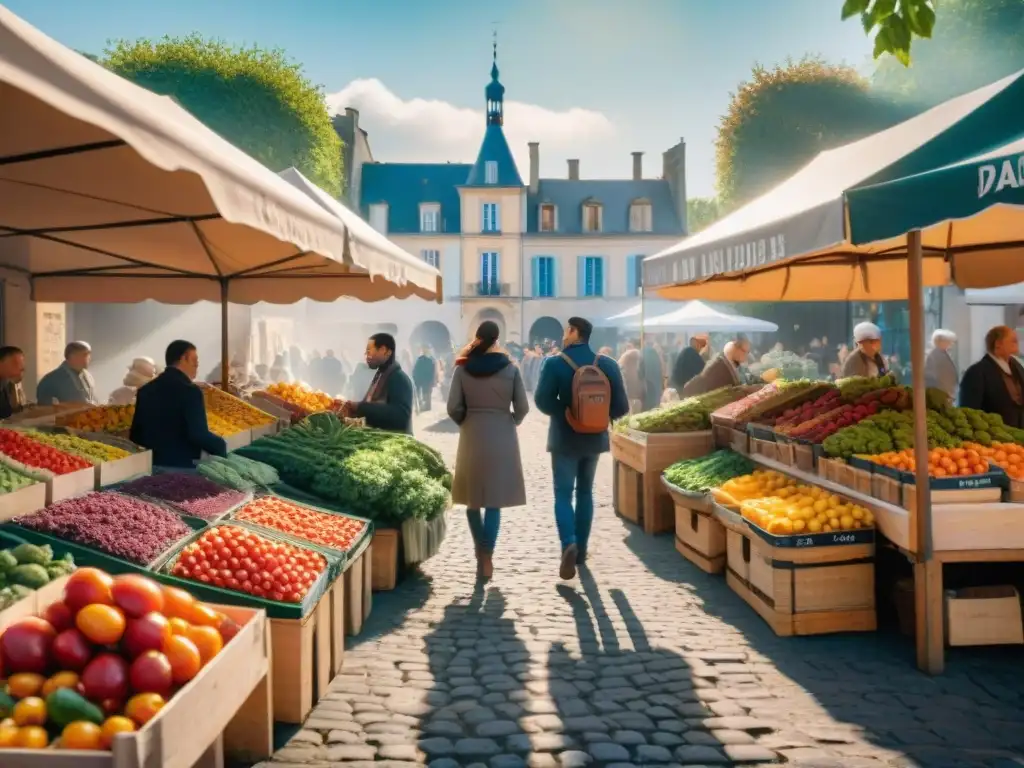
{"points": [[121, 526], [192, 494]]}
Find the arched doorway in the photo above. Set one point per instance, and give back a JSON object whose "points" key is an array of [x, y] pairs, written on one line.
{"points": [[487, 314], [545, 329], [432, 334]]}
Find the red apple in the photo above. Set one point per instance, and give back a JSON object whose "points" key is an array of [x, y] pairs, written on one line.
{"points": [[60, 616], [25, 646], [72, 650], [147, 633], [87, 586], [151, 673], [106, 677], [136, 595]]}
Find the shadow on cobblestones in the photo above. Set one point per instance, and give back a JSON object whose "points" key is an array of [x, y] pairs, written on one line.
{"points": [[443, 426], [857, 687]]}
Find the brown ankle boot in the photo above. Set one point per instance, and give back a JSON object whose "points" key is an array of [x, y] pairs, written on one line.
{"points": [[486, 566]]}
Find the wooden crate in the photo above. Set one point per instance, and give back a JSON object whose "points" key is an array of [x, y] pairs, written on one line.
{"points": [[642, 499], [785, 455], [908, 495], [804, 590], [358, 582], [740, 441], [265, 430], [60, 487], [302, 661], [722, 435], [700, 538], [886, 489], [24, 501], [225, 711], [387, 546], [113, 472], [859, 480], [764, 448], [984, 616], [803, 457]]}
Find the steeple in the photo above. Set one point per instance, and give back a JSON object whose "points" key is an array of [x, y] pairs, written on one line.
{"points": [[495, 91]]}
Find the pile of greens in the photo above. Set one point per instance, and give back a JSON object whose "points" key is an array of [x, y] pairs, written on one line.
{"points": [[381, 475], [690, 415], [702, 474]]}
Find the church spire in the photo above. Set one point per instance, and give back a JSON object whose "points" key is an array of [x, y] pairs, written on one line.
{"points": [[495, 91]]}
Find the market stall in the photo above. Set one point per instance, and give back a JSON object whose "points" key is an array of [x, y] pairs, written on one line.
{"points": [[795, 244]]}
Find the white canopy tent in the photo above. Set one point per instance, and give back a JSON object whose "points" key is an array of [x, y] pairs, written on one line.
{"points": [[693, 317], [630, 318]]}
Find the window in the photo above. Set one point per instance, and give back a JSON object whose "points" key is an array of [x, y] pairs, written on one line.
{"points": [[490, 273], [591, 277], [430, 217], [432, 257], [379, 217], [548, 218], [544, 277], [640, 216], [491, 221], [634, 275], [591, 217], [491, 172]]}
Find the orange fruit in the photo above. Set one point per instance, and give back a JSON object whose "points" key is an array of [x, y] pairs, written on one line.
{"points": [[184, 657], [32, 737], [143, 707], [113, 726], [178, 603], [30, 711], [102, 624], [179, 626], [205, 616], [207, 640], [8, 734], [25, 684], [81, 734], [58, 681]]}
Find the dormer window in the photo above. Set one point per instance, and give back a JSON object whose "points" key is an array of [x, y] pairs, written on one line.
{"points": [[430, 217], [548, 218], [379, 217], [491, 172], [641, 216], [592, 216]]}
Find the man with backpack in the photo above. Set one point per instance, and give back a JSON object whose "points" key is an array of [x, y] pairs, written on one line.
{"points": [[582, 393]]}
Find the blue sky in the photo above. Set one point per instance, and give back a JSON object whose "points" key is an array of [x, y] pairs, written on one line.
{"points": [[594, 79]]}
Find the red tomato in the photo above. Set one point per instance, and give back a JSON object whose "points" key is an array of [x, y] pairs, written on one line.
{"points": [[137, 595], [71, 650], [147, 633], [151, 673], [87, 586], [59, 616]]}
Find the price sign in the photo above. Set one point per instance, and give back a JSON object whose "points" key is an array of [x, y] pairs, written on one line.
{"points": [[804, 541], [843, 538]]}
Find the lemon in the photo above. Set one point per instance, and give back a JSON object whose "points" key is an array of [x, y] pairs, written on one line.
{"points": [[814, 526], [799, 526], [846, 522], [826, 529], [820, 505]]}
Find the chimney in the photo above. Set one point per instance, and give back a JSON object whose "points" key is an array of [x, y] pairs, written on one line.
{"points": [[534, 166], [574, 170], [638, 166], [353, 115]]}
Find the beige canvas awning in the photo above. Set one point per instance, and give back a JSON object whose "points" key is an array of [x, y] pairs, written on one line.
{"points": [[110, 193]]}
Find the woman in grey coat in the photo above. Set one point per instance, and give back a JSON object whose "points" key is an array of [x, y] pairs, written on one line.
{"points": [[939, 369], [488, 402]]}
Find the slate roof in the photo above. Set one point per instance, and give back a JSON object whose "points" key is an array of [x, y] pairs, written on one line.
{"points": [[495, 147], [615, 195], [403, 186]]}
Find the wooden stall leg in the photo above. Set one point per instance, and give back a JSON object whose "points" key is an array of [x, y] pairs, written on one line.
{"points": [[337, 627], [250, 734], [213, 757], [322, 647], [367, 582], [928, 609], [354, 598]]}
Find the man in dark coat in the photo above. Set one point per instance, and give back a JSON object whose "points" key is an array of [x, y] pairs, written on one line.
{"points": [[689, 363], [170, 415], [12, 369], [388, 403], [332, 374], [424, 376], [995, 384]]}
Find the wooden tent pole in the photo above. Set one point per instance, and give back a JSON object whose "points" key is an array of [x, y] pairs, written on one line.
{"points": [[927, 571], [225, 368]]}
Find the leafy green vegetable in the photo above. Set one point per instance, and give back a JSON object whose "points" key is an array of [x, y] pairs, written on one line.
{"points": [[707, 472]]}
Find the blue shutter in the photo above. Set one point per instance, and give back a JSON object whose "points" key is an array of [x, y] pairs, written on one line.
{"points": [[554, 277], [535, 275], [631, 286], [495, 267], [581, 275], [599, 276]]}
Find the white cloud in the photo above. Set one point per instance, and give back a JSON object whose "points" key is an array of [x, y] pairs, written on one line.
{"points": [[433, 131]]}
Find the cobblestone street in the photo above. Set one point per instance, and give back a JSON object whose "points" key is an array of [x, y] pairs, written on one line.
{"points": [[642, 660]]}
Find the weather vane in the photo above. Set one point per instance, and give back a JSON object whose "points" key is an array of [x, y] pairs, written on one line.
{"points": [[494, 35]]}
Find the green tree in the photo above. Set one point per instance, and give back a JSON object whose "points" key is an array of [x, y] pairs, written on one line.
{"points": [[780, 118], [701, 213], [895, 23], [257, 99], [975, 42]]}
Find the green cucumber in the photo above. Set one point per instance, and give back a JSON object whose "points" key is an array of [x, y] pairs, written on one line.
{"points": [[6, 704], [65, 706]]}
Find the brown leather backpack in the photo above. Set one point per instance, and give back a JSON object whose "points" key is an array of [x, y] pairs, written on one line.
{"points": [[589, 411]]}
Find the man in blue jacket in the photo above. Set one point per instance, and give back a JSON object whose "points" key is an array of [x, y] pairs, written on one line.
{"points": [[574, 454], [170, 415]]}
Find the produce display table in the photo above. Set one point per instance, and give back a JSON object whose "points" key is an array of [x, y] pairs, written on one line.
{"points": [[638, 459], [700, 537], [358, 581]]}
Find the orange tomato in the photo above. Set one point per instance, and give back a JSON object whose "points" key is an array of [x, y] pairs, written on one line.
{"points": [[143, 707], [30, 711], [8, 734], [60, 680], [32, 737], [207, 640], [25, 684], [205, 616], [113, 726], [178, 603], [102, 624], [81, 734], [179, 626], [184, 657]]}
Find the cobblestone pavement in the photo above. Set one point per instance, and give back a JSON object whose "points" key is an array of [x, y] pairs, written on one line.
{"points": [[642, 660]]}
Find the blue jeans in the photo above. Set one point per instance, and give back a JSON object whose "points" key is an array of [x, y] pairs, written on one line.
{"points": [[574, 472], [484, 529]]}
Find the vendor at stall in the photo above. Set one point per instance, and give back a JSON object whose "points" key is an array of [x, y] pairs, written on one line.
{"points": [[995, 383], [69, 382], [12, 369], [723, 371], [939, 367], [388, 402], [866, 359], [170, 415]]}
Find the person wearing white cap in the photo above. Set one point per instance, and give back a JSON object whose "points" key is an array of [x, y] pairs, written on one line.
{"points": [[689, 363], [866, 359], [70, 382], [939, 368], [142, 371]]}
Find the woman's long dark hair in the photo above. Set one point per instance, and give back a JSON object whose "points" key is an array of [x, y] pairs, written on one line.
{"points": [[487, 334]]}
